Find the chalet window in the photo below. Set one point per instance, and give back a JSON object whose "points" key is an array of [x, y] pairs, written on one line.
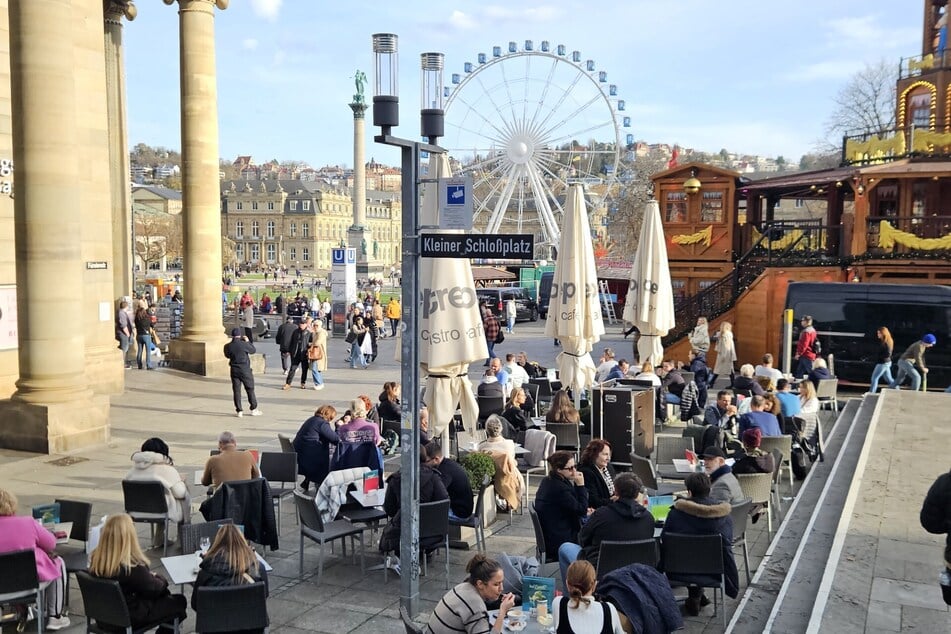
{"points": [[676, 207], [919, 196], [680, 289], [886, 204], [711, 209], [919, 109], [239, 229]]}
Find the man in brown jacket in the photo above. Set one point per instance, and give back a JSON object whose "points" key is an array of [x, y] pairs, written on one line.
{"points": [[230, 464]]}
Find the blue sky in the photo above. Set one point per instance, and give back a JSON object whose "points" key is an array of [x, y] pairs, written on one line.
{"points": [[748, 75]]}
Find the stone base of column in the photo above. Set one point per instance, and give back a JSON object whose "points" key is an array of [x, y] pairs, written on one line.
{"points": [[105, 371], [198, 357], [54, 428], [361, 239]]}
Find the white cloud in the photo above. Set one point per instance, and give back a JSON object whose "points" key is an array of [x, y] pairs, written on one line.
{"points": [[462, 21], [832, 69], [249, 44], [267, 9], [493, 16]]}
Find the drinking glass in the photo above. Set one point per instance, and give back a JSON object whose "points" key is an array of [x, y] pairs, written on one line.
{"points": [[204, 544]]}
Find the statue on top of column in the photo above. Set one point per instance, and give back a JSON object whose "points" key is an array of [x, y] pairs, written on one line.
{"points": [[360, 80]]}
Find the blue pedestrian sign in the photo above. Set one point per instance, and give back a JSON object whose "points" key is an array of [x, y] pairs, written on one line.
{"points": [[455, 203]]}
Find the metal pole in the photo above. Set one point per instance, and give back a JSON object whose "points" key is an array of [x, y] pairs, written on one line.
{"points": [[787, 340]]}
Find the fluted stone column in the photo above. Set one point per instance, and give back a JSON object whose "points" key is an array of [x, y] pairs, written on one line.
{"points": [[199, 349], [359, 236], [53, 408], [113, 12], [9, 366]]}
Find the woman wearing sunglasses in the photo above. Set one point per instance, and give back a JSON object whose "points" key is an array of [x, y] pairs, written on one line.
{"points": [[561, 502]]}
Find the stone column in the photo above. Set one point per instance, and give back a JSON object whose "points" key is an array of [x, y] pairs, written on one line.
{"points": [[53, 409], [199, 349], [358, 236], [113, 12]]}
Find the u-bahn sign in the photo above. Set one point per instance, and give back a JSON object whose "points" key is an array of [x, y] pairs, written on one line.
{"points": [[516, 246]]}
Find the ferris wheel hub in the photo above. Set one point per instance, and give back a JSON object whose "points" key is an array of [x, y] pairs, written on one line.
{"points": [[520, 149]]}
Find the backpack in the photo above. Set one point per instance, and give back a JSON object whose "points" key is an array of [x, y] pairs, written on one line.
{"points": [[799, 459]]}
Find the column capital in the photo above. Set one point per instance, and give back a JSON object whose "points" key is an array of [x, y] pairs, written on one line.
{"points": [[221, 4], [115, 10]]}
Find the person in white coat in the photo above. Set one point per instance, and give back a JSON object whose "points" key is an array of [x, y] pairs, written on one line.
{"points": [[153, 463], [726, 352]]}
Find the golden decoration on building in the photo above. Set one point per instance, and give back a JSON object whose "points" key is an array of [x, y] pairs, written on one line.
{"points": [[889, 236], [704, 235]]}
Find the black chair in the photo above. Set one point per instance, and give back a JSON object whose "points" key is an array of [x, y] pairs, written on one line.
{"points": [[434, 522], [391, 425], [532, 390], [279, 467], [477, 519], [540, 548], [80, 514], [19, 583], [567, 436], [617, 554], [544, 392], [408, 624], [489, 405], [740, 514], [106, 609], [691, 556], [313, 528], [644, 469], [231, 608], [145, 502], [189, 535]]}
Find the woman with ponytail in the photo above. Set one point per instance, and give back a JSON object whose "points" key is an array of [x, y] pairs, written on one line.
{"points": [[462, 609], [579, 613]]}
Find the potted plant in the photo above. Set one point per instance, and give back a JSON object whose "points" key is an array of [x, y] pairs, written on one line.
{"points": [[478, 466]]}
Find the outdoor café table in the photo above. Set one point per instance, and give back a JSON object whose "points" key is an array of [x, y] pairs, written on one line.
{"points": [[531, 625], [66, 527], [183, 569], [669, 472], [374, 499]]}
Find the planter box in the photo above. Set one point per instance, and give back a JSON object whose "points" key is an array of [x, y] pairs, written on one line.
{"points": [[463, 536]]}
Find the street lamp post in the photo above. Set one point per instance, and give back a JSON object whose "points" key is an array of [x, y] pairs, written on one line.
{"points": [[386, 117]]}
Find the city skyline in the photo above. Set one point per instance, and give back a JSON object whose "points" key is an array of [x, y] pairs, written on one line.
{"points": [[702, 75]]}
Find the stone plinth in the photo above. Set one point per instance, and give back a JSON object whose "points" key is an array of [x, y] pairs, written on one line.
{"points": [[55, 427], [199, 357]]}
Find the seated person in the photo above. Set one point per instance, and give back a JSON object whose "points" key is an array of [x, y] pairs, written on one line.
{"points": [[672, 382], [561, 410], [701, 515], [757, 417], [431, 489], [789, 404], [579, 611], [746, 384], [359, 428], [517, 417], [153, 464], [517, 373], [622, 519], [599, 473], [724, 485], [22, 532], [604, 367], [229, 562], [619, 371], [767, 369], [721, 413], [532, 369], [119, 557], [490, 386], [230, 464], [808, 401], [647, 374], [463, 608], [456, 481], [752, 459], [561, 502], [502, 375], [819, 371], [494, 440], [389, 406]]}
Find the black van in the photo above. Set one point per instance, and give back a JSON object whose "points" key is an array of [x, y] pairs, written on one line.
{"points": [[544, 293], [495, 296], [846, 316]]}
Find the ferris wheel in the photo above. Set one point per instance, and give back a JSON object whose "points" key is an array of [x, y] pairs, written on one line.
{"points": [[526, 123]]}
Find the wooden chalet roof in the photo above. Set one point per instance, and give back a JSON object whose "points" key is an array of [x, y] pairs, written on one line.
{"points": [[799, 180]]}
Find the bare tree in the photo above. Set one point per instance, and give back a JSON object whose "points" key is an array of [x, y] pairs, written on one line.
{"points": [[865, 104], [158, 235], [635, 190]]}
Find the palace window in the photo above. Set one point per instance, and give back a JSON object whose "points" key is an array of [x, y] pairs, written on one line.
{"points": [[239, 251], [292, 205], [271, 252], [254, 206], [239, 229], [238, 205], [305, 230], [293, 229], [305, 205], [255, 229], [255, 252], [305, 254], [293, 253], [270, 205]]}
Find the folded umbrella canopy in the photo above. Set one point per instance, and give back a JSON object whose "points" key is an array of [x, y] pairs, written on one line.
{"points": [[574, 312], [650, 297]]}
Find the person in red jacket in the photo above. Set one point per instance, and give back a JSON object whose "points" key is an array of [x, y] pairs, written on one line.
{"points": [[805, 354]]}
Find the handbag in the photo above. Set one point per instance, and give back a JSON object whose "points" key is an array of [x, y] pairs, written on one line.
{"points": [[315, 353], [351, 337], [499, 338]]}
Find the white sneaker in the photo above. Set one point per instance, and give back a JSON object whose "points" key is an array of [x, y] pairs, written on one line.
{"points": [[239, 414], [57, 623], [255, 412], [319, 387]]}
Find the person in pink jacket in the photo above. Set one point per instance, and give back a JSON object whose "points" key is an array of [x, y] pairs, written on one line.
{"points": [[20, 532]]}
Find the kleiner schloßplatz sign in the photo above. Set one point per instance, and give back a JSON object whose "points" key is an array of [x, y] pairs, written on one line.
{"points": [[516, 246]]}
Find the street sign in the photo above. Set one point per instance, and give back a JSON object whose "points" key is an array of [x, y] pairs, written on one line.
{"points": [[516, 246], [455, 203]]}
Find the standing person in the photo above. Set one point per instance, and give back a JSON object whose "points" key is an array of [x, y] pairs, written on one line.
{"points": [[22, 532], [883, 367], [935, 518], [124, 331], [393, 313], [490, 323], [119, 557], [915, 354], [510, 312], [805, 347], [579, 612], [240, 364], [700, 335], [358, 332], [229, 562], [312, 444], [701, 373], [247, 319], [300, 341], [283, 336], [327, 310], [377, 312], [143, 338], [317, 353], [726, 353], [463, 608], [373, 333]]}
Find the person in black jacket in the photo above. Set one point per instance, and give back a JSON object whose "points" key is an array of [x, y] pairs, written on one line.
{"points": [[514, 413], [300, 341], [118, 556], [312, 444], [598, 473], [701, 515], [456, 480], [283, 336], [431, 489], [561, 501], [240, 363], [936, 518], [698, 365], [229, 562], [389, 406], [623, 519]]}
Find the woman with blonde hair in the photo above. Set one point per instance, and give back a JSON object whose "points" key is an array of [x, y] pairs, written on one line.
{"points": [[647, 374], [808, 398], [726, 352], [579, 612], [517, 417], [119, 556], [229, 562], [700, 335], [886, 345], [561, 410]]}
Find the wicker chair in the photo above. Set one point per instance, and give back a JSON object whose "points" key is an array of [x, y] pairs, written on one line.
{"points": [[784, 444], [758, 487], [667, 447]]}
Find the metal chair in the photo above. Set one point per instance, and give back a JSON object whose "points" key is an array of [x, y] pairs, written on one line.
{"points": [[189, 535], [690, 556], [740, 515], [313, 527], [287, 446], [643, 468], [476, 521], [758, 487], [667, 447], [784, 445], [106, 609], [231, 608], [356, 513], [19, 583], [408, 624], [145, 501], [567, 436], [532, 463], [826, 392], [279, 467], [489, 405], [76, 559], [540, 548], [434, 522], [617, 554]]}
